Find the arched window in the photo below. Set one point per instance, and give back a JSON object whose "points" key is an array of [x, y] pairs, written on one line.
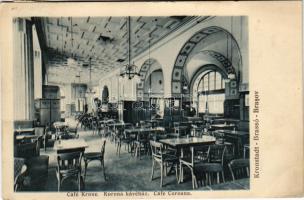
{"points": [[211, 93]]}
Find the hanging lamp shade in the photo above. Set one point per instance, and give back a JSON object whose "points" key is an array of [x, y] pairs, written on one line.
{"points": [[130, 70]]}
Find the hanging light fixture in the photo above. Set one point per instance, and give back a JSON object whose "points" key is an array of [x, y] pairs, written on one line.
{"points": [[90, 90], [130, 70], [71, 60], [231, 75]]}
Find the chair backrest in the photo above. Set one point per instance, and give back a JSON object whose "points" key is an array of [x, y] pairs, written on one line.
{"points": [[28, 150], [216, 153], [199, 153], [230, 150], [71, 160], [220, 137], [143, 136], [156, 148], [239, 168]]}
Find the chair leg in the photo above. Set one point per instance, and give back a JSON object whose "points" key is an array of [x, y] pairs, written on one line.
{"points": [[206, 179], [79, 181], [152, 169], [194, 181], [85, 169], [59, 182], [223, 176], [180, 173], [218, 177], [119, 147], [176, 171], [103, 169], [161, 174]]}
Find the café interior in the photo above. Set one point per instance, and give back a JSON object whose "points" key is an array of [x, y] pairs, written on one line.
{"points": [[131, 103]]}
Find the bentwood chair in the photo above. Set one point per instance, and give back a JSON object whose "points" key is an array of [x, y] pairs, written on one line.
{"points": [[215, 165], [48, 140], [40, 132], [128, 139], [163, 158], [142, 143], [73, 131], [197, 156], [69, 165], [239, 168], [98, 156]]}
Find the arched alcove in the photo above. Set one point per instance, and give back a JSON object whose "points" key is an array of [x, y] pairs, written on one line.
{"points": [[208, 89], [149, 66], [215, 45]]}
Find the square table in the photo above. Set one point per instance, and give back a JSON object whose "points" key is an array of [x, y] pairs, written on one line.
{"points": [[181, 143], [223, 126], [71, 145], [231, 132], [144, 130], [187, 142]]}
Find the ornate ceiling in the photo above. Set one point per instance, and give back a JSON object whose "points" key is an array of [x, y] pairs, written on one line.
{"points": [[104, 39]]}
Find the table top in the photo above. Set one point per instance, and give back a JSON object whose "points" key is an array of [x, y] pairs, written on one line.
{"points": [[136, 130], [119, 124], [70, 144], [234, 132], [191, 141], [23, 130], [22, 137], [222, 125], [60, 124], [180, 127], [239, 184], [106, 121]]}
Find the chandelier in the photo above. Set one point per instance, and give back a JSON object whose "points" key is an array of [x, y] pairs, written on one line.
{"points": [[130, 70]]}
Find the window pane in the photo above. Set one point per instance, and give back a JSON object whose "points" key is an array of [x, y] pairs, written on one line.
{"points": [[202, 103], [206, 83], [216, 103], [218, 81], [211, 80]]}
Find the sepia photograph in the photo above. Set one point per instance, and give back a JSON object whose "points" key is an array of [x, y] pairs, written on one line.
{"points": [[151, 100], [131, 103]]}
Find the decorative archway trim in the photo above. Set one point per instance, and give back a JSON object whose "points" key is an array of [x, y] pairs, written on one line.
{"points": [[145, 68], [180, 62]]}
